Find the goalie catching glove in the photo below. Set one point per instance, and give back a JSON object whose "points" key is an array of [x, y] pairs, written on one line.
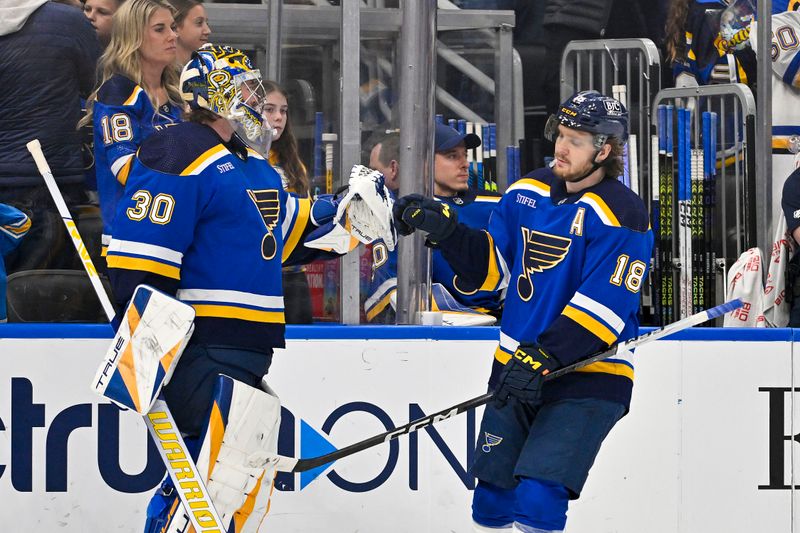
{"points": [[523, 376], [364, 214], [414, 212]]}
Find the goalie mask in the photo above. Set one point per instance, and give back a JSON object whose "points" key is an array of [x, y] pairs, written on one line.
{"points": [[221, 79]]}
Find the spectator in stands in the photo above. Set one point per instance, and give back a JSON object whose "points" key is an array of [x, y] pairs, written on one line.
{"points": [[100, 13], [48, 62], [14, 224], [192, 27], [698, 54], [450, 187], [285, 159], [385, 158], [138, 94]]}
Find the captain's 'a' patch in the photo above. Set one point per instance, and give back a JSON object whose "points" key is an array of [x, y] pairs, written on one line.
{"points": [[542, 251]]}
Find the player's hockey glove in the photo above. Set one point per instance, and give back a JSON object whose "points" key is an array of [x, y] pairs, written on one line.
{"points": [[523, 376], [414, 211]]}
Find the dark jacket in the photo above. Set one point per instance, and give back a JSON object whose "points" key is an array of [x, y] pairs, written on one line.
{"points": [[587, 15], [45, 67]]}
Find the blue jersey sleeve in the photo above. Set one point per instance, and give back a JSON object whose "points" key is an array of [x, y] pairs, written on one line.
{"points": [[14, 224]]}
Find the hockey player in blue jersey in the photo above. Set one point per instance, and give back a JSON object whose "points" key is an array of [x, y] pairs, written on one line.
{"points": [[14, 224], [138, 95], [572, 244], [205, 217], [451, 187]]}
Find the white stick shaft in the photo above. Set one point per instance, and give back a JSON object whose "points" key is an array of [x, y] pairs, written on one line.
{"points": [[44, 169]]}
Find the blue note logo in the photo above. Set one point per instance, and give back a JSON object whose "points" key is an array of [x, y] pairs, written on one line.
{"points": [[490, 441]]}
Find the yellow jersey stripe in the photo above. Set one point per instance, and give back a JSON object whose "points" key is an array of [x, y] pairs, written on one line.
{"points": [[240, 313], [133, 96], [591, 324], [532, 182], [493, 273], [601, 204], [211, 152], [376, 309], [145, 265], [501, 355], [617, 369], [122, 175], [303, 214]]}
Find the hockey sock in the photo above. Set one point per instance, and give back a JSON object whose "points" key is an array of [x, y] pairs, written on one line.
{"points": [[492, 506], [541, 504]]}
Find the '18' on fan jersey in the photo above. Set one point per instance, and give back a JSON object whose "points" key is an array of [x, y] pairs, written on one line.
{"points": [[123, 117], [574, 265]]}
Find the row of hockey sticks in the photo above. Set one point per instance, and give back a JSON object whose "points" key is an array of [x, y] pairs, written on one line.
{"points": [[688, 198], [159, 421], [483, 159], [630, 154], [160, 415], [662, 202]]}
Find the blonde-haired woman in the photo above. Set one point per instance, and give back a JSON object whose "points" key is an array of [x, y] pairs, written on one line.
{"points": [[138, 94]]}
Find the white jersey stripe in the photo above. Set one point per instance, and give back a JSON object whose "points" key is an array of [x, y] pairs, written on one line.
{"points": [[146, 250], [596, 308], [119, 163], [230, 297]]}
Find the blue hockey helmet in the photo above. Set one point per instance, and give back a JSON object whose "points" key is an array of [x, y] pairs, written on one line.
{"points": [[589, 111]]}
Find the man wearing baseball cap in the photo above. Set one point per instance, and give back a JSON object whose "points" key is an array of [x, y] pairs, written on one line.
{"points": [[451, 187]]}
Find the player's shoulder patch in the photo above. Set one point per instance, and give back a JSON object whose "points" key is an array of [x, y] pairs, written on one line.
{"points": [[617, 205], [119, 90], [182, 149]]}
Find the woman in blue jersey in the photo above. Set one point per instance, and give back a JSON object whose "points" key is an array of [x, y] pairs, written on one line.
{"points": [[285, 159], [138, 94]]}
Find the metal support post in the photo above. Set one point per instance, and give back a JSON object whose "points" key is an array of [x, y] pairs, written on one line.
{"points": [[417, 67], [349, 143]]}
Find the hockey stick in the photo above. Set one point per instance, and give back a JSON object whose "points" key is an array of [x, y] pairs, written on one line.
{"points": [[160, 424], [35, 148], [293, 464]]}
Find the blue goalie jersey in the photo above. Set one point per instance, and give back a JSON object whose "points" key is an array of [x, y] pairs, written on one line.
{"points": [[213, 227], [123, 117], [573, 265]]}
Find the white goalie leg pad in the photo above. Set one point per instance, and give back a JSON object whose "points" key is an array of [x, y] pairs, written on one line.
{"points": [[241, 437], [154, 330]]}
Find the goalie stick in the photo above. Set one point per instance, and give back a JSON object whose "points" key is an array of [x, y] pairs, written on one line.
{"points": [[294, 464], [159, 421], [35, 148]]}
